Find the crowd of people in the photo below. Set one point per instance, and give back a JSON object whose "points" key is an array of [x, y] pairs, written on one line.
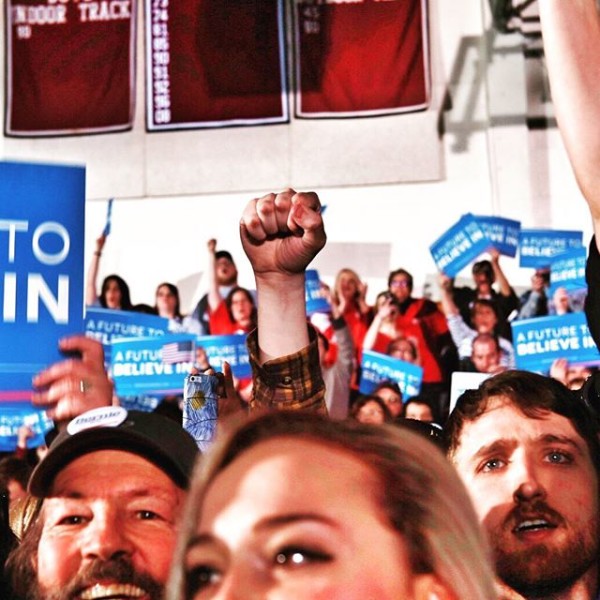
{"points": [[312, 490]]}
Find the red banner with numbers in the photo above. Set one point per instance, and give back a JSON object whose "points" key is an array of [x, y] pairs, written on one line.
{"points": [[360, 57], [69, 66], [214, 63]]}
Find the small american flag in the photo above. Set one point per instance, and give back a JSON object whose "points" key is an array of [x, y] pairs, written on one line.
{"points": [[176, 352]]}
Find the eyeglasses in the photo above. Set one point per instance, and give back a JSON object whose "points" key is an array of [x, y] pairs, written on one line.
{"points": [[401, 283]]}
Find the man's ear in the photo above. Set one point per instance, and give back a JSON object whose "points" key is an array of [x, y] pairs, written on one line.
{"points": [[429, 587]]}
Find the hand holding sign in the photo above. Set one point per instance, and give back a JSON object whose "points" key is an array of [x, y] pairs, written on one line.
{"points": [[72, 386]]}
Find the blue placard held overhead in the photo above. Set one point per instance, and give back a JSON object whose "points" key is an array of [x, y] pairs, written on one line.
{"points": [[227, 348], [42, 220], [540, 341], [459, 245], [537, 247], [377, 367], [568, 270], [502, 233], [314, 294]]}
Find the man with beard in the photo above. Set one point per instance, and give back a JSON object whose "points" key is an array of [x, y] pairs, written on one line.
{"points": [[113, 483], [113, 486], [529, 455]]}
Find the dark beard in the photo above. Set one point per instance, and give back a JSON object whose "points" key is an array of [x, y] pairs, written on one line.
{"points": [[541, 571], [117, 571]]}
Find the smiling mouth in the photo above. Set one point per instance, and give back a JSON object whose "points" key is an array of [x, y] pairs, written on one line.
{"points": [[533, 525], [112, 591]]}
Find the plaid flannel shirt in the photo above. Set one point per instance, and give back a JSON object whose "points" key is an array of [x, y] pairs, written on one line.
{"points": [[292, 382]]}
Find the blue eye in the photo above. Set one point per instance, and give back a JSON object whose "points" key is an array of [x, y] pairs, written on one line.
{"points": [[492, 465], [559, 457]]}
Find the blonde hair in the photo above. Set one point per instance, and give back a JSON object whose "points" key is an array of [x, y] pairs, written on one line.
{"points": [[420, 494], [338, 277]]}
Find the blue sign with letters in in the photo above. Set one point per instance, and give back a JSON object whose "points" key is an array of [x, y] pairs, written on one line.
{"points": [[377, 367], [459, 245], [42, 218], [538, 247], [227, 348], [502, 233], [568, 270], [540, 341], [156, 365]]}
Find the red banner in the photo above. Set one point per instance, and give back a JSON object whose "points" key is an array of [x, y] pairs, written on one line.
{"points": [[360, 57], [212, 63], [70, 66]]}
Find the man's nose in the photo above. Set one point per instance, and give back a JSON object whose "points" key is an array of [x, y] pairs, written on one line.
{"points": [[105, 537], [528, 485]]}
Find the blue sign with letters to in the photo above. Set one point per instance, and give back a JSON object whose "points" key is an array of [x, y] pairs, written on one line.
{"points": [[377, 367], [459, 245], [502, 233], [42, 218], [540, 341], [537, 247], [568, 270], [156, 365], [314, 293], [227, 348]]}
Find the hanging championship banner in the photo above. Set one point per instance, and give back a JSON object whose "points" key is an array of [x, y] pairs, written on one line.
{"points": [[69, 66], [213, 63], [360, 57]]}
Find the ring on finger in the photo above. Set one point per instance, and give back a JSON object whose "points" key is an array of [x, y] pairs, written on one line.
{"points": [[84, 386]]}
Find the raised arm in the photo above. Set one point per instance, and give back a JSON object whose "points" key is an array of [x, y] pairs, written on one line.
{"points": [[281, 234], [91, 287], [214, 296], [501, 280], [571, 31], [447, 303]]}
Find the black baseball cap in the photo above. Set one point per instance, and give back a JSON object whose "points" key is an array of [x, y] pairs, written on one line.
{"points": [[158, 439]]}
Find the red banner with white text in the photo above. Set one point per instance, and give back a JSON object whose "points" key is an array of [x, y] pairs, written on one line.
{"points": [[215, 63], [360, 57], [69, 66]]}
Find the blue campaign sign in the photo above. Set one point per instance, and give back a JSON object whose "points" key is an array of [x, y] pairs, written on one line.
{"points": [[502, 233], [459, 245], [540, 341], [106, 325], [42, 217], [156, 365], [108, 224], [227, 348], [568, 270], [378, 367], [15, 414], [315, 294], [537, 247]]}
